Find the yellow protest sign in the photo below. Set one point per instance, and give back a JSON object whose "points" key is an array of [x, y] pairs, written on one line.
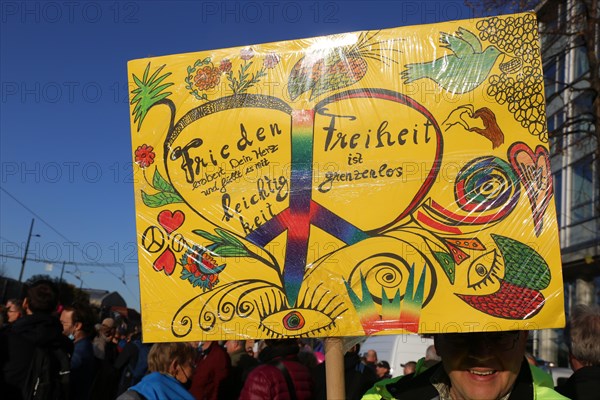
{"points": [[371, 182]]}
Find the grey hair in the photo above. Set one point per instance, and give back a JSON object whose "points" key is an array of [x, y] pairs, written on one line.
{"points": [[583, 331], [431, 354]]}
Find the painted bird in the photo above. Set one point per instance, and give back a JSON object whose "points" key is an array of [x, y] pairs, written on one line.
{"points": [[518, 295], [461, 71]]}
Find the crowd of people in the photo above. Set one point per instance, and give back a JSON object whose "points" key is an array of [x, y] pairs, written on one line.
{"points": [[106, 358]]}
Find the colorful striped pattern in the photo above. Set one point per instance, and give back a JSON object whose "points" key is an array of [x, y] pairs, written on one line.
{"points": [[402, 314], [413, 300], [302, 211]]}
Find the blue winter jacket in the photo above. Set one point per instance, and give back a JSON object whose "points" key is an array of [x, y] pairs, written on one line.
{"points": [[157, 386]]}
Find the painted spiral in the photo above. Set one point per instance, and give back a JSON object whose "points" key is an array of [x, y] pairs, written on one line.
{"points": [[487, 184], [386, 270], [390, 271], [181, 324]]}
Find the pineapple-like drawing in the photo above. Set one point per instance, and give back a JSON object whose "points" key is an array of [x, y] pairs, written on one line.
{"points": [[324, 70]]}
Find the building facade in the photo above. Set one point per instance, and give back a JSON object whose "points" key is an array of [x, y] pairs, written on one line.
{"points": [[569, 39]]}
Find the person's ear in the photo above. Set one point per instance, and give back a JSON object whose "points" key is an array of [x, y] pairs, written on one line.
{"points": [[173, 368], [78, 326]]}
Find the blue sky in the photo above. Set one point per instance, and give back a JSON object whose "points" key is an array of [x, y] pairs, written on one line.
{"points": [[65, 147]]}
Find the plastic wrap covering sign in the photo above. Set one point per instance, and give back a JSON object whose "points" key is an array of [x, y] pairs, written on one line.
{"points": [[372, 182]]}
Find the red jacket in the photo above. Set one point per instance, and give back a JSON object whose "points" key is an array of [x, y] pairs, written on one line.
{"points": [[212, 370], [267, 382]]}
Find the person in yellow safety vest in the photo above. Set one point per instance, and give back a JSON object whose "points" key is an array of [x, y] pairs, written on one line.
{"points": [[474, 366]]}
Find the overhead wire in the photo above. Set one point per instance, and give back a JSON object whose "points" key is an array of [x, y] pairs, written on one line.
{"points": [[42, 260], [76, 245]]}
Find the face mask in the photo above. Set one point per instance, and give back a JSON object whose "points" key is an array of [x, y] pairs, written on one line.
{"points": [[188, 380], [187, 385], [71, 337]]}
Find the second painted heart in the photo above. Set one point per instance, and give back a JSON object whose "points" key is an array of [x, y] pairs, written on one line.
{"points": [[535, 174]]}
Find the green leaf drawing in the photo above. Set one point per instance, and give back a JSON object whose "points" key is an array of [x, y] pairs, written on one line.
{"points": [[207, 236], [230, 251], [228, 237], [225, 244], [161, 184], [160, 199], [149, 92], [246, 83], [198, 97]]}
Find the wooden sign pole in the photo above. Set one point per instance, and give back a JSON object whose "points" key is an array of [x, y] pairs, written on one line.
{"points": [[334, 368]]}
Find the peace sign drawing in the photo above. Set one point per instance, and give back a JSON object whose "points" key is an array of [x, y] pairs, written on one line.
{"points": [[336, 203]]}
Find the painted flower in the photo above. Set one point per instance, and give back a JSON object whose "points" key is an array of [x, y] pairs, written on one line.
{"points": [[190, 265], [144, 156], [200, 268], [225, 65], [207, 77], [246, 54], [271, 60], [209, 263]]}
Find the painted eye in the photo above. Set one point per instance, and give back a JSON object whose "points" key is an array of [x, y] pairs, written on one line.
{"points": [[483, 270], [296, 322], [316, 313]]}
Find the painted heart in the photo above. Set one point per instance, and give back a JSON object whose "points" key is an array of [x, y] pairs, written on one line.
{"points": [[250, 171], [171, 221], [534, 171], [165, 262], [289, 170]]}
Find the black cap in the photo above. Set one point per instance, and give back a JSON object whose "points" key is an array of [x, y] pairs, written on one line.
{"points": [[383, 364]]}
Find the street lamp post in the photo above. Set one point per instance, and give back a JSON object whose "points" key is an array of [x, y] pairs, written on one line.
{"points": [[26, 250], [62, 271], [60, 280]]}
